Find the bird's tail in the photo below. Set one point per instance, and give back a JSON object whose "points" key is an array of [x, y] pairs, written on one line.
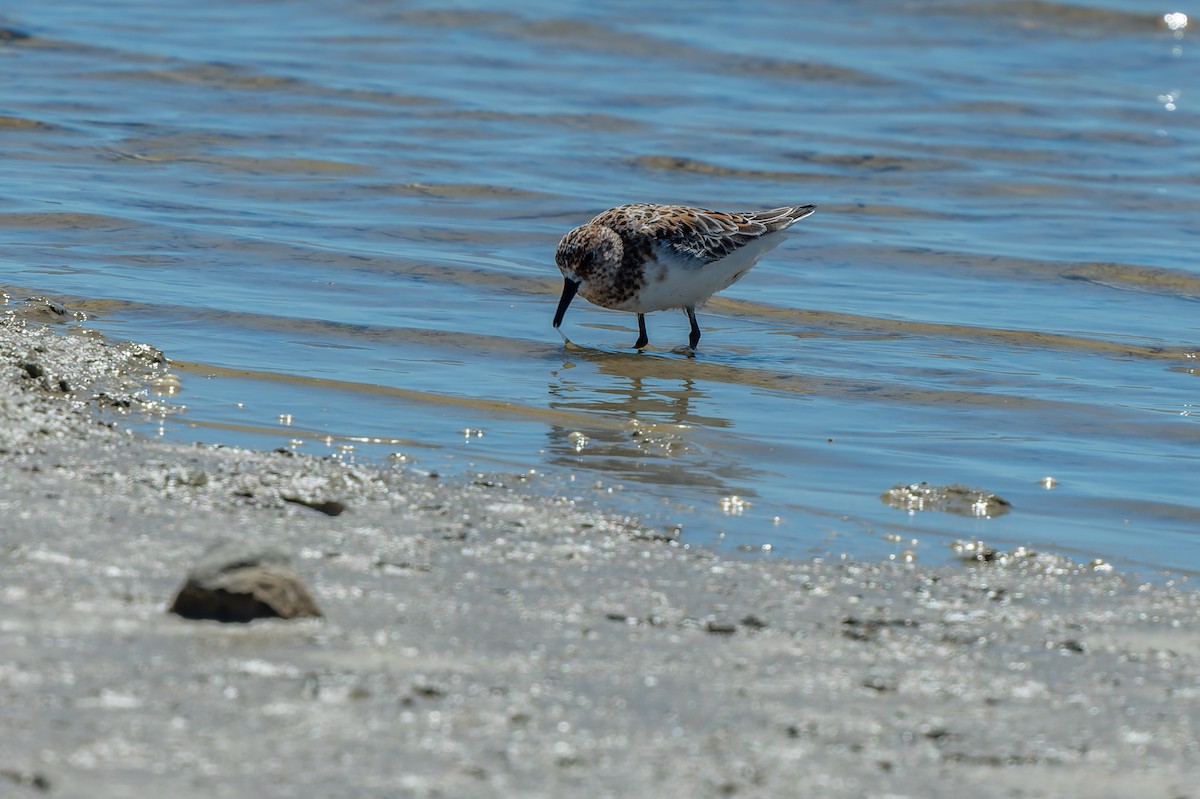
{"points": [[780, 218]]}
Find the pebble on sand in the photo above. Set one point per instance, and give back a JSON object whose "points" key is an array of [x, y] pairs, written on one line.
{"points": [[237, 581]]}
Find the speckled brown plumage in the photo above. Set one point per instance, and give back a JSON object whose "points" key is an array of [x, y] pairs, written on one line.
{"points": [[644, 258]]}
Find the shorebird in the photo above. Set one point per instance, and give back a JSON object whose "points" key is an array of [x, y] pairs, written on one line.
{"points": [[643, 258]]}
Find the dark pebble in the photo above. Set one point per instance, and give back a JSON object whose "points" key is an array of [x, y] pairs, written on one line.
{"points": [[237, 581]]}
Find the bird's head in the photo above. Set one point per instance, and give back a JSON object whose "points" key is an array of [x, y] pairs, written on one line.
{"points": [[584, 256]]}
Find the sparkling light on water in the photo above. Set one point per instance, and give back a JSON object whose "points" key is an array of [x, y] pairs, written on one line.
{"points": [[1176, 21]]}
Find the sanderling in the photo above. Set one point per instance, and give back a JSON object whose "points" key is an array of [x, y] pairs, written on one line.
{"points": [[643, 258]]}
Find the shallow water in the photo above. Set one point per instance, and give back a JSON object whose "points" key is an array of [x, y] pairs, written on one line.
{"points": [[340, 224]]}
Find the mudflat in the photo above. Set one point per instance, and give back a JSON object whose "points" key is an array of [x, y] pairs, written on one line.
{"points": [[479, 640]]}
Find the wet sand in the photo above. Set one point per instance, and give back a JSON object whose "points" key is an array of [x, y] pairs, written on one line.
{"points": [[482, 642]]}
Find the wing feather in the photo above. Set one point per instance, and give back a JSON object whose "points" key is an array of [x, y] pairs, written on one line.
{"points": [[705, 235]]}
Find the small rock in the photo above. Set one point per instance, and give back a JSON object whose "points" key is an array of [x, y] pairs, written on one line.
{"points": [[330, 507], [880, 684], [934, 733], [669, 535], [428, 690], [237, 581], [956, 498], [869, 629], [753, 622], [721, 627], [44, 309], [26, 779]]}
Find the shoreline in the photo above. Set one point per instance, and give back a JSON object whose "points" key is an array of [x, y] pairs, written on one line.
{"points": [[480, 642]]}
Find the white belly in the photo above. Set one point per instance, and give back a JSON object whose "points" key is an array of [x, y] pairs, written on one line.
{"points": [[680, 281]]}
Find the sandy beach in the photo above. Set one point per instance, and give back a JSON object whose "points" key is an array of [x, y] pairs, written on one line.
{"points": [[479, 641]]}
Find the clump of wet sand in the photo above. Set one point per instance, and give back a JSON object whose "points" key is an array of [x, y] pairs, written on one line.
{"points": [[479, 642]]}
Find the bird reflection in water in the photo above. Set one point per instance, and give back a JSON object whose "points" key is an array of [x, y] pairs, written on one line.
{"points": [[649, 424]]}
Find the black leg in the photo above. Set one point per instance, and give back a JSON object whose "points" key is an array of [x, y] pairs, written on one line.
{"points": [[643, 340], [694, 338]]}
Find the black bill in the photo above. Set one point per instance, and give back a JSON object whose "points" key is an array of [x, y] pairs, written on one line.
{"points": [[569, 288]]}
